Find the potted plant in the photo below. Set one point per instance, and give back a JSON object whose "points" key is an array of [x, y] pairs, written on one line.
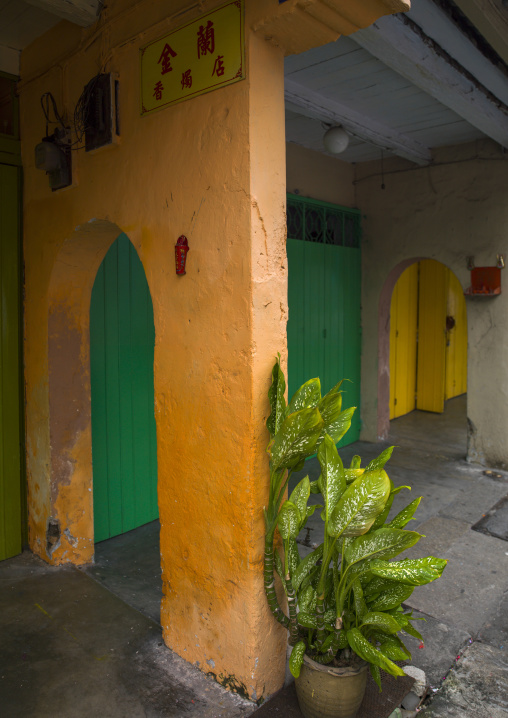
{"points": [[344, 599]]}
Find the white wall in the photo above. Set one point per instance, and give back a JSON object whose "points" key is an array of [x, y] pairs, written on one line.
{"points": [[454, 209]]}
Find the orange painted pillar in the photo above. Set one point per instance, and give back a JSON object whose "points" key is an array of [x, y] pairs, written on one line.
{"points": [[211, 168]]}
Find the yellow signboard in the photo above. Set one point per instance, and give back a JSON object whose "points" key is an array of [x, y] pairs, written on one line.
{"points": [[199, 57]]}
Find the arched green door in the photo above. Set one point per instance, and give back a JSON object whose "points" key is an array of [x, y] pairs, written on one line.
{"points": [[124, 449]]}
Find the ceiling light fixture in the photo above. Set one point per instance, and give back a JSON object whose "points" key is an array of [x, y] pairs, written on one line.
{"points": [[336, 140]]}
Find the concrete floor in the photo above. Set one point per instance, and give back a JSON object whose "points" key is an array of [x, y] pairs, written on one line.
{"points": [[129, 566], [84, 643]]}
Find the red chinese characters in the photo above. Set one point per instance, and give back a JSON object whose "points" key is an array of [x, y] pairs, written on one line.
{"points": [[218, 68], [186, 79], [157, 90], [206, 39], [165, 59]]}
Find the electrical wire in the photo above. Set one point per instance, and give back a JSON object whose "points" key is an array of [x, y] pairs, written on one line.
{"points": [[82, 108], [46, 98]]}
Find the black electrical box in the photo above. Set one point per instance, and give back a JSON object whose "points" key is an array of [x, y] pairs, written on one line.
{"points": [[100, 99]]}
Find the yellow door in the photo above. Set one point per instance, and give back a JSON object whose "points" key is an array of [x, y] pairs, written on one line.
{"points": [[403, 342], [432, 305], [456, 340]]}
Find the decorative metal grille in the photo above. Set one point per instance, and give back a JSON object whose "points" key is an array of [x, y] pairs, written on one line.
{"points": [[321, 222]]}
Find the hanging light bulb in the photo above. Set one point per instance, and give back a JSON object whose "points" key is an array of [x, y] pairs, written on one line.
{"points": [[336, 140]]}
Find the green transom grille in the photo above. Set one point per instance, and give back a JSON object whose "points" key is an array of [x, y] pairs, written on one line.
{"points": [[312, 221]]}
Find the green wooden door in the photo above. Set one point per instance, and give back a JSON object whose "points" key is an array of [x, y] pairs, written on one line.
{"points": [[324, 326], [122, 337], [11, 475]]}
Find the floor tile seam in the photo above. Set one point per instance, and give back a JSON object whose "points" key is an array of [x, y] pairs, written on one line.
{"points": [[495, 542], [449, 625]]}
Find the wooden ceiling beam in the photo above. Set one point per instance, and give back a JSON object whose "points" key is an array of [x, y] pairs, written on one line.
{"points": [[313, 104], [402, 46]]}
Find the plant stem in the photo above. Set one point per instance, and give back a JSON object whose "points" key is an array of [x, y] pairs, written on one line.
{"points": [[269, 581], [282, 491], [293, 616], [320, 606]]}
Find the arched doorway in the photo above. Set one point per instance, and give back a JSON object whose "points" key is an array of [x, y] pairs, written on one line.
{"points": [[124, 445], [428, 339]]}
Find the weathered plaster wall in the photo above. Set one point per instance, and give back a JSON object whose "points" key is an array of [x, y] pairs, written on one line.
{"points": [[208, 168], [213, 169], [312, 174], [454, 209]]}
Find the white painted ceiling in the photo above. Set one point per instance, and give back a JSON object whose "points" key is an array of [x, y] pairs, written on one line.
{"points": [[344, 71], [406, 85]]}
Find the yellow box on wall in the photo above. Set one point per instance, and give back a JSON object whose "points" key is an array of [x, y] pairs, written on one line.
{"points": [[197, 58]]}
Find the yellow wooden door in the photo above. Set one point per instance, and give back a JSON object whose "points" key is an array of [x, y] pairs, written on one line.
{"points": [[403, 343], [456, 340], [432, 305]]}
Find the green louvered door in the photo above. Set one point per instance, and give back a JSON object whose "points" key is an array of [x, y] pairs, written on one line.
{"points": [[11, 494], [122, 338], [324, 326]]}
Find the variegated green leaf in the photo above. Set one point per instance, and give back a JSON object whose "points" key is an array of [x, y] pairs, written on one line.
{"points": [[337, 427], [334, 389], [288, 520], [327, 643], [381, 460], [314, 487], [377, 585], [383, 543], [293, 556], [391, 647], [380, 621], [333, 483], [407, 626], [308, 395], [379, 522], [373, 585], [392, 597], [366, 650], [358, 599], [312, 508], [306, 566], [405, 516], [300, 496], [307, 600], [376, 675], [352, 474], [359, 505], [356, 462], [307, 620], [414, 572], [276, 398], [330, 616], [296, 659], [296, 438], [411, 631]]}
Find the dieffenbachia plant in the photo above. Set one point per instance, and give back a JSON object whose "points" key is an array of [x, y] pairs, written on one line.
{"points": [[346, 595]]}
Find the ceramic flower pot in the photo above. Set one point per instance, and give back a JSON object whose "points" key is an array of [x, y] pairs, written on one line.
{"points": [[328, 692]]}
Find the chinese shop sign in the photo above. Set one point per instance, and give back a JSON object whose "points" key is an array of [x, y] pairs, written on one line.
{"points": [[199, 57]]}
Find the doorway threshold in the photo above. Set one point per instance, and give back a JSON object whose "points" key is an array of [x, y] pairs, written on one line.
{"points": [[128, 565]]}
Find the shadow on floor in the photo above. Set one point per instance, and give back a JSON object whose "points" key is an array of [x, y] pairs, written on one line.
{"points": [[129, 566]]}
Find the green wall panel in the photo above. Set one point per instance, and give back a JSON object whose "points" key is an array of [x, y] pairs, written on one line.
{"points": [[324, 295], [11, 491], [124, 448]]}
